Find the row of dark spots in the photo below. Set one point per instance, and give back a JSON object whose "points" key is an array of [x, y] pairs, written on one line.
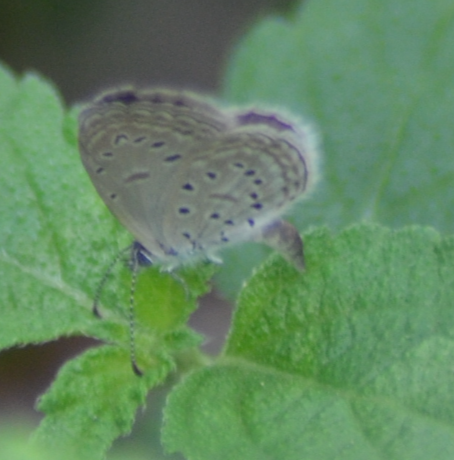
{"points": [[212, 175], [185, 210], [253, 195], [138, 140], [215, 215], [128, 97], [224, 238], [249, 172]]}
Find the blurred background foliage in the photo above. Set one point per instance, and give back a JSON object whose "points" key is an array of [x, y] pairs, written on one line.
{"points": [[84, 46]]}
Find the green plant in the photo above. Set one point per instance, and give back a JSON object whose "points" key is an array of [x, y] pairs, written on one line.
{"points": [[352, 359]]}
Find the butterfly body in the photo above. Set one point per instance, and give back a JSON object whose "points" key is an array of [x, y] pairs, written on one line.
{"points": [[187, 178]]}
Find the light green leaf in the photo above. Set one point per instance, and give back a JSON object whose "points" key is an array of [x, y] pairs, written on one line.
{"points": [[94, 401], [377, 79], [350, 360]]}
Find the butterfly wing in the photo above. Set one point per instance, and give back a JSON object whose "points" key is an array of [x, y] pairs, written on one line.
{"points": [[238, 186], [132, 145]]}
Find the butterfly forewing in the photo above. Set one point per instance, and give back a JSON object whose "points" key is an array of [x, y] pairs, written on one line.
{"points": [[132, 148]]}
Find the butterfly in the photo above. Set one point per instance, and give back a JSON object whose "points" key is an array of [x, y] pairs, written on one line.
{"points": [[187, 177]]}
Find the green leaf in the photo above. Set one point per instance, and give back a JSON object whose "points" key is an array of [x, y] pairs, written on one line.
{"points": [[376, 78], [49, 234], [94, 401], [350, 360], [57, 239]]}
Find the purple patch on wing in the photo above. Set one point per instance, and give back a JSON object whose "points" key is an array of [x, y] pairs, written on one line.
{"points": [[254, 118]]}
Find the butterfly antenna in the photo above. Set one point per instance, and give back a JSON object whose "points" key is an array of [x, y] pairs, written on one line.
{"points": [[132, 316], [106, 275]]}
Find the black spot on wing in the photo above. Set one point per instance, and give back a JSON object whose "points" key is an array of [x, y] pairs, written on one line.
{"points": [[172, 158], [137, 177]]}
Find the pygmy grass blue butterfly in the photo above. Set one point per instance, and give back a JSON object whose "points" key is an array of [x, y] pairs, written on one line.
{"points": [[187, 177]]}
